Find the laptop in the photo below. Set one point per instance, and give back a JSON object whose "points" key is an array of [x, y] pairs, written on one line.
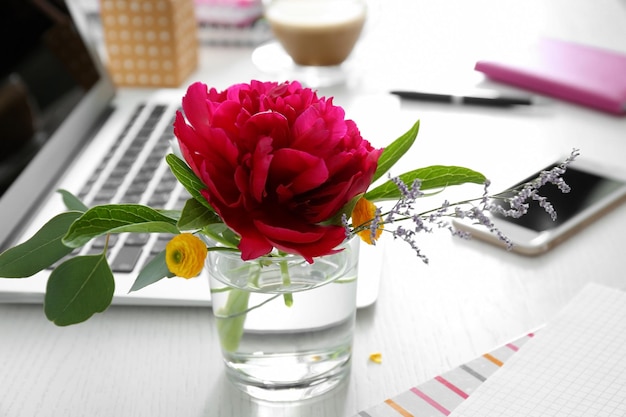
{"points": [[64, 126]]}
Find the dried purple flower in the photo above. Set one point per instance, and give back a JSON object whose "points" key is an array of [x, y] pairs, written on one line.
{"points": [[474, 209]]}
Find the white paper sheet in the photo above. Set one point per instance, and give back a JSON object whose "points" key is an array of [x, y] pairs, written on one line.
{"points": [[576, 366]]}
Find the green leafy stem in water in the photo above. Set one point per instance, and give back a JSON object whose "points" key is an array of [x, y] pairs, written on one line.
{"points": [[232, 315]]}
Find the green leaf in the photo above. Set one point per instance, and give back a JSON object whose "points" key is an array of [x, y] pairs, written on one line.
{"points": [[220, 233], [432, 177], [72, 202], [395, 150], [154, 271], [187, 178], [196, 215], [79, 288], [172, 214], [118, 218], [40, 251]]}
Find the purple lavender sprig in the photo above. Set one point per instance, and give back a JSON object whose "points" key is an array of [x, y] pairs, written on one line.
{"points": [[530, 191], [474, 209]]}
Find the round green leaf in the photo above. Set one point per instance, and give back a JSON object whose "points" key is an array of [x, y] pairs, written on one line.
{"points": [[79, 288]]}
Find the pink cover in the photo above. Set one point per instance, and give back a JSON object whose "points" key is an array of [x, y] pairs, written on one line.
{"points": [[581, 74]]}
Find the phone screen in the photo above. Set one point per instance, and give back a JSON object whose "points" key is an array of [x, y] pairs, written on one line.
{"points": [[586, 189]]}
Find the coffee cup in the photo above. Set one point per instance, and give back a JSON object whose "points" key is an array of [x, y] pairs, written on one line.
{"points": [[318, 33]]}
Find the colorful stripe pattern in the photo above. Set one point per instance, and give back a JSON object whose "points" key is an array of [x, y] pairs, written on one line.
{"points": [[442, 394]]}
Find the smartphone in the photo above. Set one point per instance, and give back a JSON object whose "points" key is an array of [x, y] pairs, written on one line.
{"points": [[594, 191]]}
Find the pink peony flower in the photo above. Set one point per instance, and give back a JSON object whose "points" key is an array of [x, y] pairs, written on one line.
{"points": [[277, 161]]}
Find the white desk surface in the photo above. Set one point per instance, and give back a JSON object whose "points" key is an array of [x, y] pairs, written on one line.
{"points": [[136, 361]]}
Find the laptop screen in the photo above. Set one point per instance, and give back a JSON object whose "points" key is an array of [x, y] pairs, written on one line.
{"points": [[46, 75], [44, 72]]}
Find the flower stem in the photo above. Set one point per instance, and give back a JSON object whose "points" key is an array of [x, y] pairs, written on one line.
{"points": [[230, 328], [365, 225], [231, 317], [284, 273]]}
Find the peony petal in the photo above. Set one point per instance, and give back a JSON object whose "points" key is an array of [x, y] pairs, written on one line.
{"points": [[298, 171], [185, 135], [195, 106], [242, 181], [215, 156], [254, 245], [315, 242], [272, 124], [261, 161], [222, 199], [280, 233], [315, 131], [328, 201], [227, 116]]}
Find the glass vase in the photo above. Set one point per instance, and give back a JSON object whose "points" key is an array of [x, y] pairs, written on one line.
{"points": [[285, 325]]}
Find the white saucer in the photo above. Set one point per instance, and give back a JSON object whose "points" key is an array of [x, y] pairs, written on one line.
{"points": [[272, 59]]}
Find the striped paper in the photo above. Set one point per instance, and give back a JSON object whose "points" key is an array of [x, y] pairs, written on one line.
{"points": [[442, 394]]}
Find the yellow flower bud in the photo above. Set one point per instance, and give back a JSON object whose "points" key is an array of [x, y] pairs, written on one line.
{"points": [[362, 215], [185, 255]]}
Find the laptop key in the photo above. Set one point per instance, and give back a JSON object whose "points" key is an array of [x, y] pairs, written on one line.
{"points": [[126, 259], [158, 200], [106, 194], [130, 198], [137, 239], [161, 243]]}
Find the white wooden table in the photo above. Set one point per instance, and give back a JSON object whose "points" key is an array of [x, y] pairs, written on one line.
{"points": [[142, 361]]}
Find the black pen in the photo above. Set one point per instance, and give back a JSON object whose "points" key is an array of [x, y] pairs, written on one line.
{"points": [[495, 100]]}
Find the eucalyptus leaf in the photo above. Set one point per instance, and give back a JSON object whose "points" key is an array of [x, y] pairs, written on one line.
{"points": [[187, 178], [172, 214], [432, 177], [395, 150], [118, 218], [215, 228], [154, 271], [40, 251], [79, 288], [231, 237], [196, 215], [220, 233], [72, 202]]}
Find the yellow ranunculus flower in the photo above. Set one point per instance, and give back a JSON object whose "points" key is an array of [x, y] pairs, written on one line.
{"points": [[362, 214], [185, 255]]}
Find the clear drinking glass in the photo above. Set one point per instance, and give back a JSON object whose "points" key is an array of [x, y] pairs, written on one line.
{"points": [[285, 325], [314, 38]]}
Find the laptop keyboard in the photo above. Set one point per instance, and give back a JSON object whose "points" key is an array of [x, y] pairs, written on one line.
{"points": [[134, 171]]}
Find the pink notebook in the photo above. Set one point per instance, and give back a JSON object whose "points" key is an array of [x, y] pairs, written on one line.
{"points": [[577, 73]]}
